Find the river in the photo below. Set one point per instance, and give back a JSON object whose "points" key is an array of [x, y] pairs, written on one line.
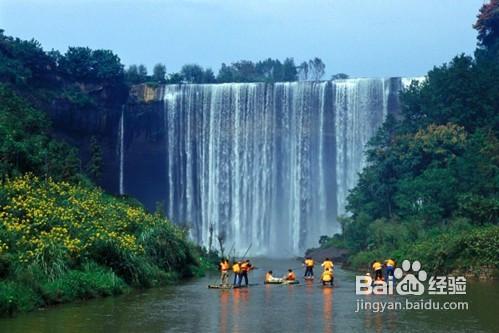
{"points": [[307, 307]]}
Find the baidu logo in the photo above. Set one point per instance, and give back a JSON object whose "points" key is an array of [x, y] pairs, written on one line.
{"points": [[410, 284], [409, 280]]}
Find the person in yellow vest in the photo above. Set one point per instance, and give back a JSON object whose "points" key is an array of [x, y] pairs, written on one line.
{"points": [[327, 264], [236, 269], [378, 270], [291, 275], [224, 271], [309, 267], [327, 277], [390, 264], [245, 268]]}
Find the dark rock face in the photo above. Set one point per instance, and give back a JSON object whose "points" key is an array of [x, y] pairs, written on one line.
{"points": [[145, 152], [77, 126], [320, 254]]}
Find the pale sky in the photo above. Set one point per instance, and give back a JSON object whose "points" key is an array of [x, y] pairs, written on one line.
{"points": [[369, 38]]}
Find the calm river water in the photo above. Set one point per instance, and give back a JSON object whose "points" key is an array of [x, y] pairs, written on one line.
{"points": [[192, 307]]}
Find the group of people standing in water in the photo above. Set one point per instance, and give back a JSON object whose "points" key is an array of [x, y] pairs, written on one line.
{"points": [[380, 271], [327, 275], [241, 268], [377, 269]]}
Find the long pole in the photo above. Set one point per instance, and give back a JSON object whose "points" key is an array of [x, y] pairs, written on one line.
{"points": [[245, 253], [230, 250]]}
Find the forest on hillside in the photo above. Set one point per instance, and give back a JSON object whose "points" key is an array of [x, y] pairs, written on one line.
{"points": [[430, 190], [62, 238]]}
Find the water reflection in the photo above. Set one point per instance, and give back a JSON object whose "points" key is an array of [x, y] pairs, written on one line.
{"points": [[308, 307], [328, 309], [373, 321], [240, 298], [224, 308], [309, 299]]}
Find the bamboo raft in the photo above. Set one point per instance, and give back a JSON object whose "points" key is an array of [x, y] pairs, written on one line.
{"points": [[230, 286], [283, 282]]}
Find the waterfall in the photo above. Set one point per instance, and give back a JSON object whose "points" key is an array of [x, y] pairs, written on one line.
{"points": [[121, 134], [268, 165], [360, 108]]}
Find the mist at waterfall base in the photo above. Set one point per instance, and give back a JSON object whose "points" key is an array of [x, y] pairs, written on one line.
{"points": [[269, 165]]}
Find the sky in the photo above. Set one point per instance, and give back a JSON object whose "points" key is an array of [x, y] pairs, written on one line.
{"points": [[363, 38]]}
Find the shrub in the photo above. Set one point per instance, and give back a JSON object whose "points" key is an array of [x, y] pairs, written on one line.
{"points": [[90, 282], [16, 297], [62, 241]]}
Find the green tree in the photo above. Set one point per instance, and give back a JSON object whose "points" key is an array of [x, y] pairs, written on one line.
{"points": [[25, 144], [94, 165], [289, 71], [487, 24], [209, 76], [317, 69], [339, 76], [244, 71], [107, 66], [463, 92], [175, 78], [142, 72], [77, 63], [303, 71], [61, 161], [95, 66], [159, 73], [132, 74], [225, 74], [192, 73], [25, 63]]}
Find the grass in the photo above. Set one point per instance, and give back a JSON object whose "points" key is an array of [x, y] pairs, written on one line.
{"points": [[62, 242], [468, 251], [33, 289]]}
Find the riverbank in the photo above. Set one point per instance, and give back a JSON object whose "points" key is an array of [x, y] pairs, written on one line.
{"points": [[307, 307], [61, 242], [469, 251]]}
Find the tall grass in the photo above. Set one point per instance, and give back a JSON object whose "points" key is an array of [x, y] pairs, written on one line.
{"points": [[60, 242]]}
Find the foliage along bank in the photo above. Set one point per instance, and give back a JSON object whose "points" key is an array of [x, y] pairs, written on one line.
{"points": [[62, 238], [430, 191], [61, 241]]}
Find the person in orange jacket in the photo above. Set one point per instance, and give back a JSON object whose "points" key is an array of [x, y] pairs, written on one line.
{"points": [[291, 275], [245, 268]]}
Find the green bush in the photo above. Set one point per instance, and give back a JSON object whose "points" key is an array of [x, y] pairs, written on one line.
{"points": [[16, 297], [460, 247], [460, 250], [65, 241], [92, 281]]}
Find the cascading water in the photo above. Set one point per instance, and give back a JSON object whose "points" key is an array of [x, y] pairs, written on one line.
{"points": [[266, 164]]}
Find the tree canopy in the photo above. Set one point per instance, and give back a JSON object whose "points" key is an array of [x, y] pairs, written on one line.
{"points": [[487, 24], [434, 168], [25, 144]]}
